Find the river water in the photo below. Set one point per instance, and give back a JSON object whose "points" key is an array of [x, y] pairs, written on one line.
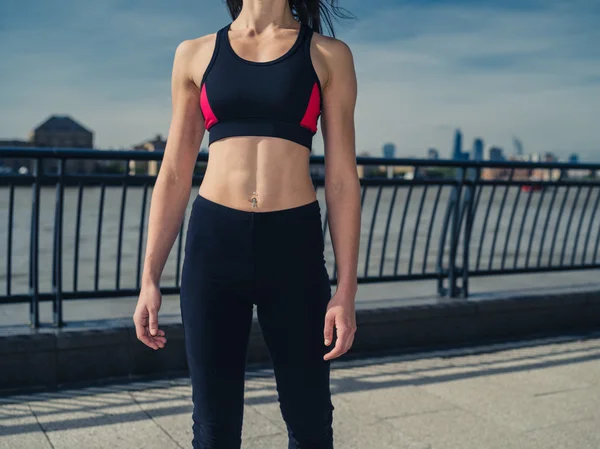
{"points": [[420, 235]]}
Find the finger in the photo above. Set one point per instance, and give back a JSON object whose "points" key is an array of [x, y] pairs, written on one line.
{"points": [[345, 335], [159, 333], [159, 340], [153, 321], [148, 341], [141, 333], [140, 327], [160, 344], [339, 345], [328, 330], [349, 342], [335, 352]]}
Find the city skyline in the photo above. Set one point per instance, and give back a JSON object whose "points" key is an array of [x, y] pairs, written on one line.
{"points": [[424, 68], [388, 149]]}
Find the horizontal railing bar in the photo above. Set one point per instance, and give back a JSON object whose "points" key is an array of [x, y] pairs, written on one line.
{"points": [[140, 180], [542, 269], [557, 183], [87, 153], [171, 290]]}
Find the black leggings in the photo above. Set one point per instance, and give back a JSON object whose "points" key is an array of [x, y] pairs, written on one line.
{"points": [[274, 259]]}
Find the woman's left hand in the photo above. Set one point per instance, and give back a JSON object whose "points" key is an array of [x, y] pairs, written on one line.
{"points": [[341, 314]]}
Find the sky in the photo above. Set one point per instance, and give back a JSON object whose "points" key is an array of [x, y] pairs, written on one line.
{"points": [[494, 69]]}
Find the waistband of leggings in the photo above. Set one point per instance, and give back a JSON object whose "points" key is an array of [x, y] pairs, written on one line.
{"points": [[308, 209]]}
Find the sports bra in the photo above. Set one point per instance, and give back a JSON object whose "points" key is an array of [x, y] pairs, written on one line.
{"points": [[278, 98]]}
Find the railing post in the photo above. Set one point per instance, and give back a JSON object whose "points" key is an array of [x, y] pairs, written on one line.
{"points": [[451, 221], [34, 304], [473, 176], [121, 222], [58, 247], [455, 231]]}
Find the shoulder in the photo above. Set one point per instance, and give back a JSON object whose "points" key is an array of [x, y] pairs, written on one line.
{"points": [[334, 55], [193, 55], [332, 48], [191, 48]]}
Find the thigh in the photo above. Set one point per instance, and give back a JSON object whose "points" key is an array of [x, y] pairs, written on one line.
{"points": [[216, 311], [216, 322], [292, 318]]}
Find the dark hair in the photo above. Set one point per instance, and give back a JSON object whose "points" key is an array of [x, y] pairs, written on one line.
{"points": [[310, 12]]}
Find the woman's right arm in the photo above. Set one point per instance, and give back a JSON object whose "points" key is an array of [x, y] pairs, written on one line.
{"points": [[171, 191]]}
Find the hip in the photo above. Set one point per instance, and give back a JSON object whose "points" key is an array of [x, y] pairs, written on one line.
{"points": [[228, 243]]}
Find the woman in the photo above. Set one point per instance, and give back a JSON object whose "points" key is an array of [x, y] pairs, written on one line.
{"points": [[258, 86]]}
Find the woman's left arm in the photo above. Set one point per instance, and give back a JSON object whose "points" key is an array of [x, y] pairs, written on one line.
{"points": [[342, 190]]}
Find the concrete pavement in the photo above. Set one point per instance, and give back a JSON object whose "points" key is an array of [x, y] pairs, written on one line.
{"points": [[535, 394]]}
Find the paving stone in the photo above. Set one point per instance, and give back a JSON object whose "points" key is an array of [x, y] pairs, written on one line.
{"points": [[456, 428], [584, 371], [19, 428], [390, 401], [110, 420], [357, 428], [171, 409], [581, 434], [277, 441], [538, 396], [490, 399]]}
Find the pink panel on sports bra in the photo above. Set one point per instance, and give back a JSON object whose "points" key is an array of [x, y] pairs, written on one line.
{"points": [[209, 117], [312, 111]]}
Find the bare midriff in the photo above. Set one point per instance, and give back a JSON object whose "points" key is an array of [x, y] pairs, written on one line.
{"points": [[258, 174]]}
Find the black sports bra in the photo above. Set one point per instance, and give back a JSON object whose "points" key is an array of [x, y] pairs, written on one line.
{"points": [[278, 98]]}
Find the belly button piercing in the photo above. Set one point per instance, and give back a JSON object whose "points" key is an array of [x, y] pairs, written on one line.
{"points": [[253, 200]]}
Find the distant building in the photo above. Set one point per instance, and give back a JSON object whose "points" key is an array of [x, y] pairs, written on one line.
{"points": [[496, 154], [365, 170], [57, 131], [61, 131], [550, 174], [520, 174], [433, 153], [389, 150], [457, 152], [148, 167], [518, 146], [575, 172], [14, 143], [14, 164], [457, 149], [478, 149]]}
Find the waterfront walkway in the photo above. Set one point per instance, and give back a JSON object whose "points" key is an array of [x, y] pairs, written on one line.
{"points": [[535, 394]]}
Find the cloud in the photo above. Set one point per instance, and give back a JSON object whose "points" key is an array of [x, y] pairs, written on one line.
{"points": [[494, 69], [104, 63], [493, 72]]}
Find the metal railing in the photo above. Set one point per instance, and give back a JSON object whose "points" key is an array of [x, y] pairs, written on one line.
{"points": [[83, 234]]}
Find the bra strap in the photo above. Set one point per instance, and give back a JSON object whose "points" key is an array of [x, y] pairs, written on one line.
{"points": [[221, 35], [308, 32], [216, 51]]}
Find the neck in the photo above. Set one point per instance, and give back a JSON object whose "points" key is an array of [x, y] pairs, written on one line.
{"points": [[260, 14]]}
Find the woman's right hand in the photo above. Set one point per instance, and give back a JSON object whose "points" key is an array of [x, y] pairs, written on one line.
{"points": [[145, 317]]}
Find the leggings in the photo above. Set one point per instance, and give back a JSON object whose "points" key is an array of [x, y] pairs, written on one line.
{"points": [[233, 260]]}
